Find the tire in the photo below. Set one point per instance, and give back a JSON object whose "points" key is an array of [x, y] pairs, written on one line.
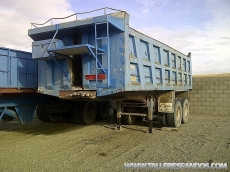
{"points": [[174, 119], [103, 110], [162, 122], [115, 115], [46, 117], [7, 118], [185, 111], [75, 112], [74, 115], [53, 117], [87, 114], [39, 113], [128, 119]]}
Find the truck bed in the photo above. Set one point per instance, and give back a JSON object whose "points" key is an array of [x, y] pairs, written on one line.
{"points": [[18, 71], [117, 59]]}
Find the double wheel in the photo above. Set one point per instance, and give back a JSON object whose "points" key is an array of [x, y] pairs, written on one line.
{"points": [[87, 112], [46, 117], [180, 115]]}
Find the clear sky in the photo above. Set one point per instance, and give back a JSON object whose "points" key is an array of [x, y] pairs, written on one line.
{"points": [[201, 27]]}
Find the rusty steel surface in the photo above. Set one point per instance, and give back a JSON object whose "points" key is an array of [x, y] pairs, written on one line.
{"points": [[15, 90], [71, 94]]}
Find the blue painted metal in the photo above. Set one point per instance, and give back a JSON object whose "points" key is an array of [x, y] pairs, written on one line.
{"points": [[106, 55], [25, 113], [19, 107], [3, 112], [95, 56], [23, 107], [131, 60], [76, 49], [51, 55], [8, 112], [17, 69], [18, 73]]}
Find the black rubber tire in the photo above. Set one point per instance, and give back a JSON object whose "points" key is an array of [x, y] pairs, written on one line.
{"points": [[54, 117], [39, 113], [174, 119], [185, 111], [128, 119], [162, 121], [75, 112], [46, 117], [87, 114], [7, 118], [103, 109], [115, 115]]}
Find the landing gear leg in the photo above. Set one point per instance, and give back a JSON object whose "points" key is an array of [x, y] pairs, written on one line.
{"points": [[118, 116], [150, 115]]}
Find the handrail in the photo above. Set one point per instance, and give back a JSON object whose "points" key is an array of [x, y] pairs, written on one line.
{"points": [[40, 24]]}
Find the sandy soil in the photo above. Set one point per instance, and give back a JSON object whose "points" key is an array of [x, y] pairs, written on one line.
{"points": [[63, 146]]}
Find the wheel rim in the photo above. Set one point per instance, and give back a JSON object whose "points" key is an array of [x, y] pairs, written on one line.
{"points": [[186, 111], [178, 115]]}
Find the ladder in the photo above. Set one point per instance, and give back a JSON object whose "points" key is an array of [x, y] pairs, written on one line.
{"points": [[102, 42]]}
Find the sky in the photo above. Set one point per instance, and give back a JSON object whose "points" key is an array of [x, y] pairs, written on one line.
{"points": [[201, 27]]}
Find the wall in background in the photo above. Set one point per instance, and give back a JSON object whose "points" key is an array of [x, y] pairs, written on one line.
{"points": [[210, 95]]}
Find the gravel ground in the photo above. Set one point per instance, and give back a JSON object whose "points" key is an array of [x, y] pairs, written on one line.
{"points": [[63, 146]]}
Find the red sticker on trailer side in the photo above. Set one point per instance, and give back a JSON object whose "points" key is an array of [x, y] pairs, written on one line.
{"points": [[93, 77]]}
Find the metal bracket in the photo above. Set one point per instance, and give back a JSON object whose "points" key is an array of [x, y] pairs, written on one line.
{"points": [[150, 114], [57, 27], [93, 54], [3, 113]]}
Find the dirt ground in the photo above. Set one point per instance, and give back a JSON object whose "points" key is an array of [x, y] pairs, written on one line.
{"points": [[63, 146]]}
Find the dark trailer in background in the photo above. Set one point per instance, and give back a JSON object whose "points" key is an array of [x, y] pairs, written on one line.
{"points": [[90, 61]]}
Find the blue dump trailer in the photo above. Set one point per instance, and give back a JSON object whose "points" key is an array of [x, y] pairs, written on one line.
{"points": [[87, 62], [18, 73], [18, 86]]}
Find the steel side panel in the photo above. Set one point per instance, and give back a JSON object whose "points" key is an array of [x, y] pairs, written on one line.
{"points": [[146, 64], [16, 69], [117, 22]]}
